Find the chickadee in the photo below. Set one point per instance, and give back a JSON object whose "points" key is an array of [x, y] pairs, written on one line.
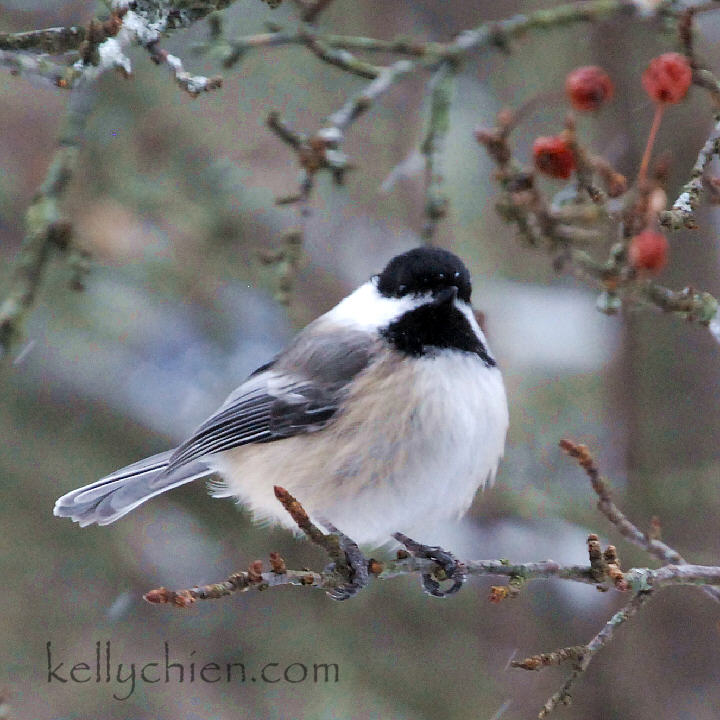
{"points": [[385, 414]]}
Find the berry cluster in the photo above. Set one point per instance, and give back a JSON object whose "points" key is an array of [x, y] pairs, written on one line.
{"points": [[666, 80]]}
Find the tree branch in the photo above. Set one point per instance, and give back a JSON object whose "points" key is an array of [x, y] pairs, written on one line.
{"points": [[433, 146], [682, 213], [604, 566], [340, 57], [100, 47], [608, 508], [361, 102], [44, 225], [192, 84], [546, 227], [257, 578], [627, 529], [582, 654], [603, 571], [54, 41]]}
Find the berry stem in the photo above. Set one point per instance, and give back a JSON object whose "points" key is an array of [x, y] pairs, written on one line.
{"points": [[659, 109]]}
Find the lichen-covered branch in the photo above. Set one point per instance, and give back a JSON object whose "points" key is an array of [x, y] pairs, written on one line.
{"points": [[192, 84], [100, 47], [169, 15], [101, 44], [691, 304], [53, 41], [341, 58], [433, 146], [45, 226], [492, 34], [363, 101], [486, 34], [682, 213], [430, 50]]}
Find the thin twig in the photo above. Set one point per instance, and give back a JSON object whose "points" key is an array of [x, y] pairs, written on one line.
{"points": [[682, 213], [341, 58], [584, 654], [433, 146], [191, 84], [358, 104], [607, 507], [641, 581], [645, 162]]}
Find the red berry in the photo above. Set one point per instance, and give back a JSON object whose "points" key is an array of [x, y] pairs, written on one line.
{"points": [[553, 156], [648, 250], [588, 87], [667, 78]]}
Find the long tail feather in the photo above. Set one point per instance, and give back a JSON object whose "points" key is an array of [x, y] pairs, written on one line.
{"points": [[115, 495]]}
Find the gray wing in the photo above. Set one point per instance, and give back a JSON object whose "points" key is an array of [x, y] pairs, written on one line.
{"points": [[299, 392]]}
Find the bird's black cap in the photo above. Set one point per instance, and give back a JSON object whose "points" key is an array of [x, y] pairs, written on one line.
{"points": [[423, 270]]}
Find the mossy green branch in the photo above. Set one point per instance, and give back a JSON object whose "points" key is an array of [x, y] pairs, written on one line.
{"points": [[44, 227], [693, 305], [53, 41]]}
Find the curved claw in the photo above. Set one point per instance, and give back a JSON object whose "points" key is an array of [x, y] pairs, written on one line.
{"points": [[453, 569], [357, 566]]}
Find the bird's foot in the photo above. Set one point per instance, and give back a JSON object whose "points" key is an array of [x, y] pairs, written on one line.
{"points": [[448, 567], [353, 566]]}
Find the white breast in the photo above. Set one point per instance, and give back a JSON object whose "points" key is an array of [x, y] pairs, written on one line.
{"points": [[408, 451]]}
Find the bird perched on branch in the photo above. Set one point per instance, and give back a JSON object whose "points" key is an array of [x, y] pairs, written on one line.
{"points": [[385, 414]]}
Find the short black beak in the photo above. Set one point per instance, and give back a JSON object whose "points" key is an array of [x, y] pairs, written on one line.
{"points": [[445, 297]]}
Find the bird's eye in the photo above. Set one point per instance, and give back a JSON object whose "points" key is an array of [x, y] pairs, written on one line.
{"points": [[456, 275], [402, 289], [441, 276]]}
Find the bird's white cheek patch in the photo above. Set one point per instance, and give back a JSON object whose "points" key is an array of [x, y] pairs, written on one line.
{"points": [[366, 309]]}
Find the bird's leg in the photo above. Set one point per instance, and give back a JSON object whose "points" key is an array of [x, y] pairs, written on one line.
{"points": [[347, 559], [449, 567], [353, 566]]}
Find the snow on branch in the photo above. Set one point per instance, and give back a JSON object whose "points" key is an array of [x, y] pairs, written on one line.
{"points": [[71, 57]]}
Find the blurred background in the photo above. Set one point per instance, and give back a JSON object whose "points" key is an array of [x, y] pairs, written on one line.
{"points": [[174, 198]]}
